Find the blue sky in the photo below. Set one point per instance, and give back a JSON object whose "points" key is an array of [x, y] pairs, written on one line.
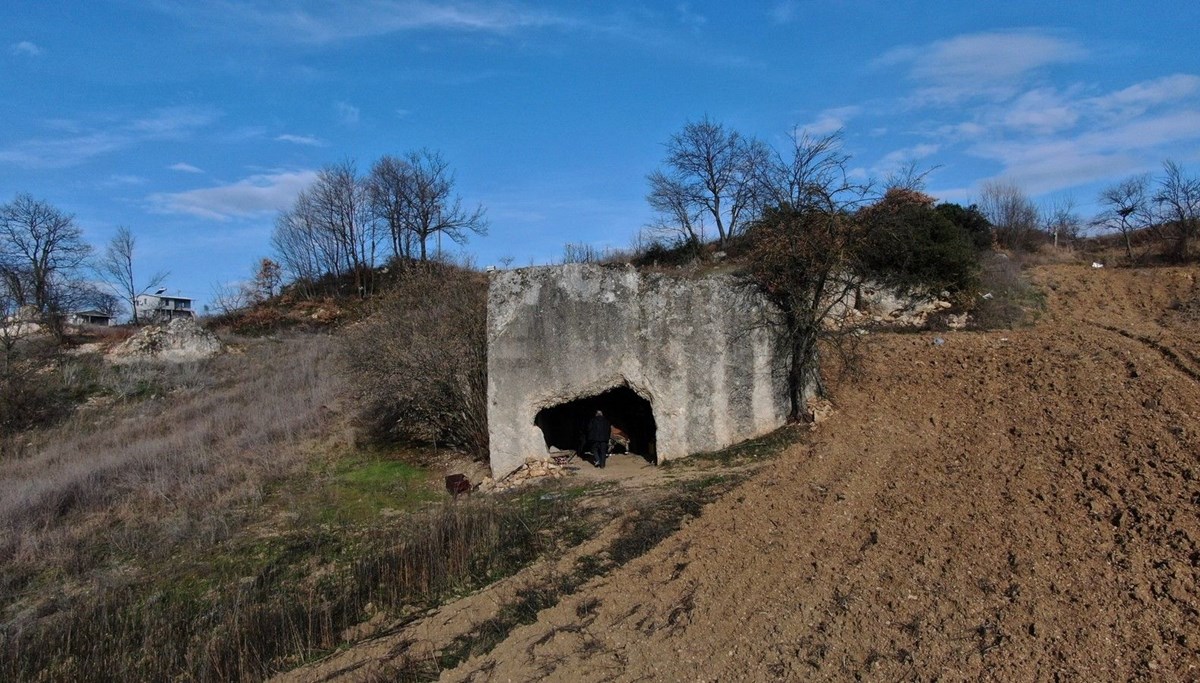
{"points": [[193, 123]]}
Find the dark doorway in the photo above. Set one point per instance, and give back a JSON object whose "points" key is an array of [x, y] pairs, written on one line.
{"points": [[563, 425]]}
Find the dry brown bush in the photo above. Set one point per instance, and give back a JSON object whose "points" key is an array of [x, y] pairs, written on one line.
{"points": [[419, 363]]}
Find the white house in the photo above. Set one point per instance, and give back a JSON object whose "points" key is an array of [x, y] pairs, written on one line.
{"points": [[91, 317], [160, 307]]}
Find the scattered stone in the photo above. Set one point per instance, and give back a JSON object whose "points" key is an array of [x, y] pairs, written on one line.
{"points": [[534, 468], [819, 410], [958, 321]]}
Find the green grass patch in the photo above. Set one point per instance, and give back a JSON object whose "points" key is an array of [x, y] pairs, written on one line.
{"points": [[358, 489]]}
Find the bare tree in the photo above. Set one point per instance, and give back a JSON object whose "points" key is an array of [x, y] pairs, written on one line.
{"points": [[41, 252], [329, 231], [430, 206], [338, 202], [678, 215], [1177, 204], [1126, 209], [389, 188], [12, 328], [115, 267], [710, 174], [1062, 221], [1013, 216], [305, 250], [804, 253], [807, 174], [231, 297]]}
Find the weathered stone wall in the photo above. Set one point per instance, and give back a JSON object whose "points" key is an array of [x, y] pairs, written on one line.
{"points": [[696, 348]]}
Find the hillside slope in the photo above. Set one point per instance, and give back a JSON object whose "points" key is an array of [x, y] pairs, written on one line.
{"points": [[1021, 505]]}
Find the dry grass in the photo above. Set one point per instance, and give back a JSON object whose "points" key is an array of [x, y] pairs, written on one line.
{"points": [[166, 532], [184, 448], [281, 613]]}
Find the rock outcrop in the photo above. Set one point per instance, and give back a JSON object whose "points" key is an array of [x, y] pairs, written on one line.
{"points": [[180, 340]]}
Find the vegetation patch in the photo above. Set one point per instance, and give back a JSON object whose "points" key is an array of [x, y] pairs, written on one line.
{"points": [[745, 452], [277, 605], [1007, 298], [362, 490]]}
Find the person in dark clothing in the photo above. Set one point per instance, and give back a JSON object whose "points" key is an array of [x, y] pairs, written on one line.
{"points": [[599, 431]]}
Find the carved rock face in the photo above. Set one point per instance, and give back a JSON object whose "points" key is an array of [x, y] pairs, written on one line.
{"points": [[694, 352]]}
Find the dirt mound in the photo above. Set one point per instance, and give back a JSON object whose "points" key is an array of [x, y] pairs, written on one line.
{"points": [[1019, 505], [182, 339]]}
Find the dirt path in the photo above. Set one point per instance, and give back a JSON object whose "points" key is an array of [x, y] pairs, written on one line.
{"points": [[1006, 506]]}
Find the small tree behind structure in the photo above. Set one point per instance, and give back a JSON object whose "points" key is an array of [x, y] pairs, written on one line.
{"points": [[116, 268], [710, 174], [804, 255], [420, 362]]}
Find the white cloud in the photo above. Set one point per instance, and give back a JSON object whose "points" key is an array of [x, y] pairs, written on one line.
{"points": [[1042, 111], [1157, 91], [120, 179], [693, 21], [784, 12], [325, 21], [988, 65], [82, 143], [304, 139], [62, 152], [256, 194], [830, 120], [907, 154], [1048, 164], [347, 113], [1139, 98], [173, 122], [24, 49], [184, 167]]}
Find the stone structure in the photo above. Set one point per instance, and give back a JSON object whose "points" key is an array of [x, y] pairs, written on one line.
{"points": [[680, 364]]}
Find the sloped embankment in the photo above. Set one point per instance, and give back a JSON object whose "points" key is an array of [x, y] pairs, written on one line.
{"points": [[1009, 506]]}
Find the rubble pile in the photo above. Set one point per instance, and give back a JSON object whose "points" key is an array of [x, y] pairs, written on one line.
{"points": [[534, 468], [180, 340]]}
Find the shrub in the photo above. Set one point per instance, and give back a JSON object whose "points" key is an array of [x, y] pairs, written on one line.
{"points": [[419, 363], [971, 220], [679, 252], [911, 244], [1011, 300], [38, 387]]}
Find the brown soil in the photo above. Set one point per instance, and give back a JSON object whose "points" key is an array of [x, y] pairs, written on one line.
{"points": [[1020, 505]]}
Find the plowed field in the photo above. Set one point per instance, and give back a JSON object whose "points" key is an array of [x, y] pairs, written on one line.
{"points": [[1018, 505]]}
